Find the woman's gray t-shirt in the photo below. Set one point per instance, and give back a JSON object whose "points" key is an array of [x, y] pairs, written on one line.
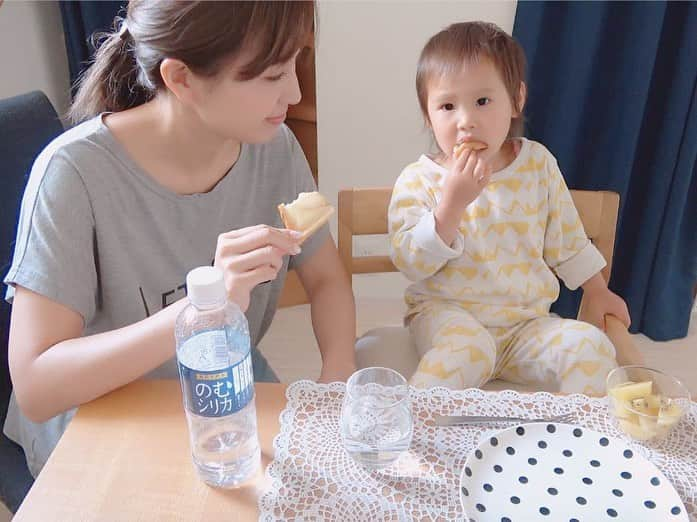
{"points": [[100, 236]]}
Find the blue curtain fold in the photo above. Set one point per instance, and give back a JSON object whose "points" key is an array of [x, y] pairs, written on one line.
{"points": [[80, 20], [613, 94]]}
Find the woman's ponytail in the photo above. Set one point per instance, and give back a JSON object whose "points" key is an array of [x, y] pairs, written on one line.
{"points": [[111, 83]]}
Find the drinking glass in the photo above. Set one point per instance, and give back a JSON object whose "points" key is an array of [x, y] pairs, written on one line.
{"points": [[376, 422]]}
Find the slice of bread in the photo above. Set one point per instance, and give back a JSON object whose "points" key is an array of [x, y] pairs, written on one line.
{"points": [[306, 214]]}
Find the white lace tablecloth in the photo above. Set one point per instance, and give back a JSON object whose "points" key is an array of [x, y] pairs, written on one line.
{"points": [[312, 478]]}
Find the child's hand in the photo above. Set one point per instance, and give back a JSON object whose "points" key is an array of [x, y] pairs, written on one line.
{"points": [[601, 302], [466, 180], [468, 177]]}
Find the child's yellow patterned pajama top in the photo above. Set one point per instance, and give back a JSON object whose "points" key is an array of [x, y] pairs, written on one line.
{"points": [[479, 309]]}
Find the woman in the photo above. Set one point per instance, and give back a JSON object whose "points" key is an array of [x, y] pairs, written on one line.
{"points": [[181, 161]]}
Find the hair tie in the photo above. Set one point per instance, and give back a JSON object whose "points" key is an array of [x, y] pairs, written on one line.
{"points": [[123, 30]]}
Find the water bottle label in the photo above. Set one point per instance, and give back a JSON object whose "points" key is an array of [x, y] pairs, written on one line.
{"points": [[218, 393]]}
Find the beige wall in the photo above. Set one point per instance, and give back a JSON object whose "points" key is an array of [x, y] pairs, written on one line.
{"points": [[369, 125], [32, 51]]}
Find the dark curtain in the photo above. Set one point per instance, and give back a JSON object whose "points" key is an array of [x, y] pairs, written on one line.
{"points": [[613, 95], [80, 21]]}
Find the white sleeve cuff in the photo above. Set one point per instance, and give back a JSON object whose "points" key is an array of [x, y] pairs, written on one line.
{"points": [[581, 267], [426, 238]]}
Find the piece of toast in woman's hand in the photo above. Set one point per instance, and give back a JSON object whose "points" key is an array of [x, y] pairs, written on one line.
{"points": [[306, 214]]}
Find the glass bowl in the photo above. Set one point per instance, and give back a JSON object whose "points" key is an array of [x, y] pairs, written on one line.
{"points": [[645, 403]]}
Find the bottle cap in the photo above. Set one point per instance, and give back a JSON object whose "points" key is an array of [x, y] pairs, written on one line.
{"points": [[205, 287]]}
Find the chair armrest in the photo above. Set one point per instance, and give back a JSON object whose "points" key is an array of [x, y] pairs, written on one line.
{"points": [[625, 349]]}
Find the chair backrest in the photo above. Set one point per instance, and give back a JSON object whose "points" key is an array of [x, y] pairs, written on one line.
{"points": [[363, 211], [27, 123]]}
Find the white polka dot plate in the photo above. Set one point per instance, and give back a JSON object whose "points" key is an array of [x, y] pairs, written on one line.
{"points": [[563, 473]]}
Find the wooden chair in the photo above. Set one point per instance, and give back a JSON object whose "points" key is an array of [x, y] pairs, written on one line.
{"points": [[363, 211]]}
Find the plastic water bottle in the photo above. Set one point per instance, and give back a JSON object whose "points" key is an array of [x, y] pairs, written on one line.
{"points": [[215, 369]]}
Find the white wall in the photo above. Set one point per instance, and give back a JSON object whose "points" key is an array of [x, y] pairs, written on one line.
{"points": [[32, 51], [369, 124]]}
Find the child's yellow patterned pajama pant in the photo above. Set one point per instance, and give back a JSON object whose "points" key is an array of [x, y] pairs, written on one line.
{"points": [[458, 352]]}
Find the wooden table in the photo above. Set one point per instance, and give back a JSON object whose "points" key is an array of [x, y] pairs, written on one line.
{"points": [[126, 457]]}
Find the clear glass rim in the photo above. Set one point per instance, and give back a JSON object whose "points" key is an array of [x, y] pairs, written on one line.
{"points": [[677, 381], [403, 384]]}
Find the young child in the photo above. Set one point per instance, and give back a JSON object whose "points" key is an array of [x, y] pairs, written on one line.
{"points": [[482, 233], [181, 160]]}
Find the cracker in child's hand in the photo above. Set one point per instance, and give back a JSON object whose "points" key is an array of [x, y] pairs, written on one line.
{"points": [[461, 147]]}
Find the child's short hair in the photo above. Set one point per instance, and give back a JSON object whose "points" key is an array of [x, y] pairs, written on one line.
{"points": [[446, 52]]}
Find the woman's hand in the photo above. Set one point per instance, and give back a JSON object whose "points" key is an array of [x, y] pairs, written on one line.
{"points": [[252, 255], [336, 371]]}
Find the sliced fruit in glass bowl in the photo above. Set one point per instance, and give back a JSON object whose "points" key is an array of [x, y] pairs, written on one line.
{"points": [[646, 403]]}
